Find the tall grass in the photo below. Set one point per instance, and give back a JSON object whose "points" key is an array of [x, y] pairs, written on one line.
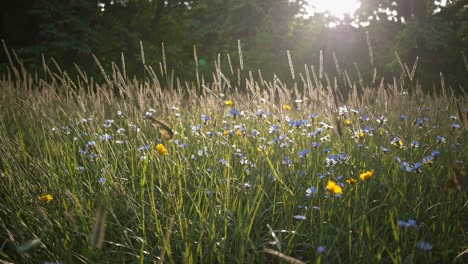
{"points": [[240, 183]]}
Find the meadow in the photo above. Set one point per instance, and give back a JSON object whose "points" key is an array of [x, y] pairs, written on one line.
{"points": [[230, 168]]}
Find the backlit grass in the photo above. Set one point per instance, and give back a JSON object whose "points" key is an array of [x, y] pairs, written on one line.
{"points": [[325, 170]]}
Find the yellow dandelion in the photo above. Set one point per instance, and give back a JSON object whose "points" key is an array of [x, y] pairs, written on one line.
{"points": [[351, 181], [161, 149], [361, 135], [226, 132], [287, 107], [333, 187], [228, 103], [46, 198], [347, 122], [365, 176]]}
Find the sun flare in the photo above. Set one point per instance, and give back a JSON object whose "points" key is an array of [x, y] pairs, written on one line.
{"points": [[336, 8]]}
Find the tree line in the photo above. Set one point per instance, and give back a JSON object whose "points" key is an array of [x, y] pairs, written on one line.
{"points": [[379, 34]]}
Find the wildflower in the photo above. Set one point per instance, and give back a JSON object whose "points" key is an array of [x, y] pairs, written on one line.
{"points": [[361, 135], [234, 112], [81, 169], [287, 161], [205, 118], [321, 249], [456, 126], [108, 123], [441, 139], [410, 223], [382, 120], [161, 149], [435, 153], [343, 110], [424, 245], [46, 198], [303, 153], [406, 166], [384, 149], [102, 180], [365, 176], [397, 142], [287, 107], [420, 121], [143, 148], [300, 217], [313, 116], [418, 167], [333, 187], [105, 137], [351, 181], [428, 160], [403, 117], [261, 113], [347, 122], [415, 144], [315, 144], [228, 103], [311, 191], [365, 118]]}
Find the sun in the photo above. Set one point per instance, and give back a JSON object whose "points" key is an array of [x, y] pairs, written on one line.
{"points": [[336, 8]]}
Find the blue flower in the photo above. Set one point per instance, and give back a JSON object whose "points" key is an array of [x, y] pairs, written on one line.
{"points": [[321, 249], [365, 118], [410, 223], [456, 126], [426, 246], [403, 117], [273, 129], [303, 153], [315, 144], [441, 139], [317, 132], [428, 160], [435, 153], [205, 118], [234, 112], [105, 137], [313, 116], [312, 191], [415, 144], [287, 161]]}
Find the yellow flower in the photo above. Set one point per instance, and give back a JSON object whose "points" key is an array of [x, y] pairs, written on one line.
{"points": [[226, 132], [287, 107], [365, 176], [347, 122], [351, 181], [361, 134], [228, 103], [334, 187], [161, 149], [239, 133], [46, 198]]}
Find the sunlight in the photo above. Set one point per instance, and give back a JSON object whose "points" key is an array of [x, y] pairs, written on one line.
{"points": [[337, 8]]}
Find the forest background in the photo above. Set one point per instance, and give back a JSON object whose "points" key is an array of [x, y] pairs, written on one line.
{"points": [[432, 33]]}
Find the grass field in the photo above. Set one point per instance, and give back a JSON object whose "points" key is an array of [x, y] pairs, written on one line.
{"points": [[323, 170]]}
